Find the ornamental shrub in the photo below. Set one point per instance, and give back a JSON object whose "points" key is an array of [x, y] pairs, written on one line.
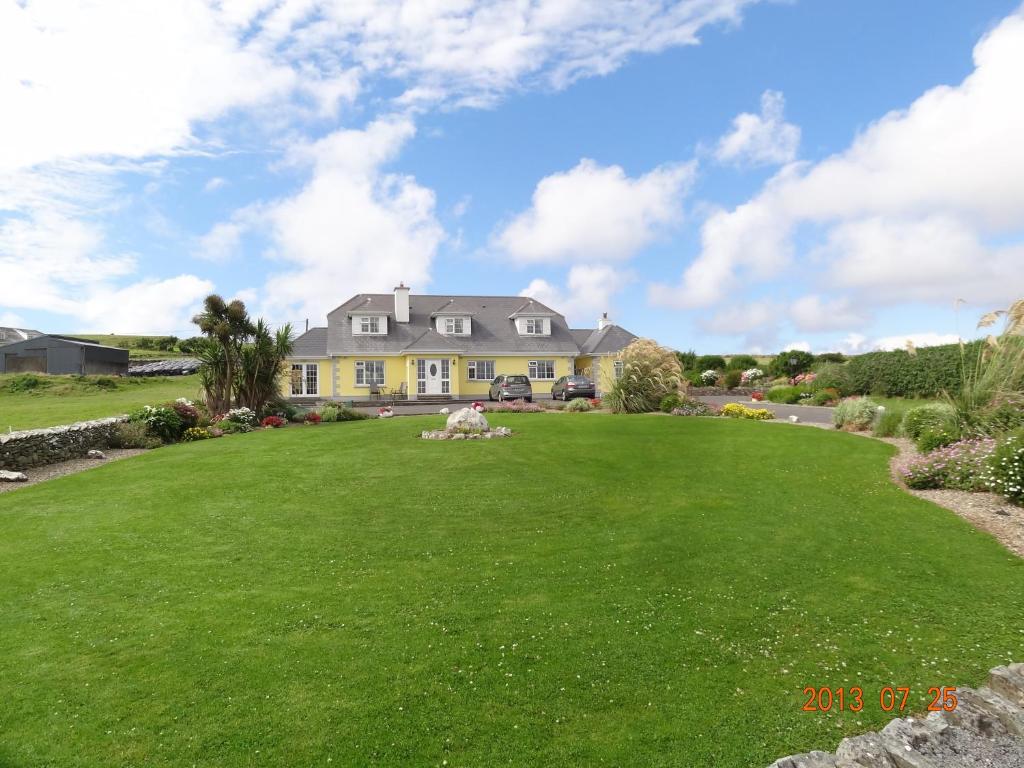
{"points": [[513, 406], [688, 406], [161, 421], [649, 372], [855, 414], [963, 466], [670, 402], [232, 427], [786, 394], [742, 362], [887, 424], [781, 365], [931, 417], [833, 376], [830, 357], [1000, 417], [733, 378], [276, 422], [709, 377], [329, 413], [242, 415], [714, 362], [828, 396], [350, 414], [580, 405], [934, 437], [186, 411], [739, 411], [751, 375], [192, 434], [1005, 474], [687, 360], [313, 418]]}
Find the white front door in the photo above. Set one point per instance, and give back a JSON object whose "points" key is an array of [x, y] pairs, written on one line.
{"points": [[433, 377]]}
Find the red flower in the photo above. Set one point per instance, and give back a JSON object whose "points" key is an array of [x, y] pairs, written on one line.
{"points": [[312, 418], [757, 396], [272, 421]]}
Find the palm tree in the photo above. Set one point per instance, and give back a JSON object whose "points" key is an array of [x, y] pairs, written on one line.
{"points": [[261, 363], [227, 324]]}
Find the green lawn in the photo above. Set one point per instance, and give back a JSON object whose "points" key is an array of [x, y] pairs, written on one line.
{"points": [[130, 342], [66, 399], [597, 590]]}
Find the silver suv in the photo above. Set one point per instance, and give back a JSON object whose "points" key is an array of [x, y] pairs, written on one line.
{"points": [[511, 387]]}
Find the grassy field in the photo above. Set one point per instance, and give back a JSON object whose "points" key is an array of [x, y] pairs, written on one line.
{"points": [[129, 342], [597, 590], [66, 399]]}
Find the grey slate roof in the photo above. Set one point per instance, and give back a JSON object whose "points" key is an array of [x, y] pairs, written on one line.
{"points": [[492, 331], [313, 343], [10, 335], [610, 339]]}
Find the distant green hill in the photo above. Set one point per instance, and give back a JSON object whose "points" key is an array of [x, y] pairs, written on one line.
{"points": [[140, 347]]}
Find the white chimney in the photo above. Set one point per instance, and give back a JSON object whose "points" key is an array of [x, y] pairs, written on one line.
{"points": [[401, 303], [603, 322]]}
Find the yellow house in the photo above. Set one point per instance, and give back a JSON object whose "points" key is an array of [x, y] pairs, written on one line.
{"points": [[431, 347]]}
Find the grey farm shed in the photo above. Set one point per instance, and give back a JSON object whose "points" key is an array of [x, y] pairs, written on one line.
{"points": [[62, 354]]}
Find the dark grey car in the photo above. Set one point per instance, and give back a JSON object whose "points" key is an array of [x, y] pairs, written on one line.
{"points": [[511, 387], [569, 387]]}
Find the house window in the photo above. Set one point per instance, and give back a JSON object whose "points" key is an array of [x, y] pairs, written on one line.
{"points": [[480, 370], [446, 382], [453, 325], [305, 379], [534, 326], [618, 369], [542, 369], [421, 377], [369, 373], [369, 324]]}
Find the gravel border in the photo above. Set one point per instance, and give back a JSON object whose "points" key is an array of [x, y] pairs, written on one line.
{"points": [[50, 471]]}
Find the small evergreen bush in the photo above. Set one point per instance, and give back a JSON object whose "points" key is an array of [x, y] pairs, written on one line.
{"points": [[931, 417], [581, 405], [833, 376], [733, 378], [786, 394], [133, 434], [855, 414], [887, 424], [670, 402], [934, 437], [742, 363]]}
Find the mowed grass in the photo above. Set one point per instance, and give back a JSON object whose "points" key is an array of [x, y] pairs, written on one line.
{"points": [[130, 342], [596, 590], [67, 399]]}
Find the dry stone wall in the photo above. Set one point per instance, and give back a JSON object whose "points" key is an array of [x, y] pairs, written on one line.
{"points": [[986, 730], [36, 447]]}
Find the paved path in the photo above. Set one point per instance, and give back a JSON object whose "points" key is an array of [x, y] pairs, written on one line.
{"points": [[815, 414]]}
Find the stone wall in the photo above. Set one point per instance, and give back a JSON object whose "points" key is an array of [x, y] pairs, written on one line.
{"points": [[985, 730], [36, 447]]}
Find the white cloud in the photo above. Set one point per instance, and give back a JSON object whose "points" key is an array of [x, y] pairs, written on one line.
{"points": [[812, 313], [214, 183], [596, 213], [147, 306], [589, 291], [803, 346], [11, 320], [926, 203], [353, 227], [926, 339], [764, 139]]}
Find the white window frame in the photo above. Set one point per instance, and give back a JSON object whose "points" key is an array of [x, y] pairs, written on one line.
{"points": [[618, 367], [454, 326], [480, 370], [308, 381], [535, 326], [369, 325], [363, 367], [534, 370]]}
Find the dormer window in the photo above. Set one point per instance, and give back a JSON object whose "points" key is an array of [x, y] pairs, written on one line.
{"points": [[534, 326], [369, 325], [453, 325]]}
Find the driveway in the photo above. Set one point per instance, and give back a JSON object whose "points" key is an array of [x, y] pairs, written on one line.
{"points": [[814, 414]]}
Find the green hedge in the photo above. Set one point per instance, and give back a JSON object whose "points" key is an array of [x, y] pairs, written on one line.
{"points": [[899, 374]]}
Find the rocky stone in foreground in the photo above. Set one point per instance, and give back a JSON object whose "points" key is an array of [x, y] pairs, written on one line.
{"points": [[466, 424], [986, 730], [12, 477]]}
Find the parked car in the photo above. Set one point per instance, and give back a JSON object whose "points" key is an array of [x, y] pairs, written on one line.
{"points": [[514, 387], [569, 387]]}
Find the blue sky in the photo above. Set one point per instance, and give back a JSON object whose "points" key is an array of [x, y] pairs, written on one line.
{"points": [[721, 175]]}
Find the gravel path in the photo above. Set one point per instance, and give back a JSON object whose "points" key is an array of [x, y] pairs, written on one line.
{"points": [[39, 474]]}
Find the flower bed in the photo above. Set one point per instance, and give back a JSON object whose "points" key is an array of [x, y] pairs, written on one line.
{"points": [[513, 406]]}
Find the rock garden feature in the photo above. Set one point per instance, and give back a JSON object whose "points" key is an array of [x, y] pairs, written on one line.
{"points": [[466, 424]]}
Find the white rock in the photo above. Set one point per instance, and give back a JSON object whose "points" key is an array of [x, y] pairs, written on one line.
{"points": [[795, 419], [467, 418], [12, 477], [444, 411], [94, 454]]}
